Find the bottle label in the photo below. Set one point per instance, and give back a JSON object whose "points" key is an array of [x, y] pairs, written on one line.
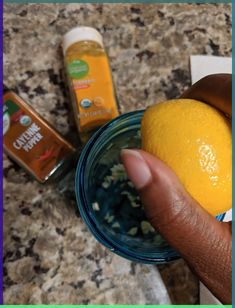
{"points": [[30, 140], [78, 69], [91, 82]]}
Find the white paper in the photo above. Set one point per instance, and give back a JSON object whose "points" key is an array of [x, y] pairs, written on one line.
{"points": [[205, 65]]}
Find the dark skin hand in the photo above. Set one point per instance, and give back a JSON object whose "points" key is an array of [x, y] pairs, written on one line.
{"points": [[204, 242]]}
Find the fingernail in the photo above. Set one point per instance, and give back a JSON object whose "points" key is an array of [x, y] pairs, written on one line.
{"points": [[136, 168]]}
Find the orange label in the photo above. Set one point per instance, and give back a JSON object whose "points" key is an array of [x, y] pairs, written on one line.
{"points": [[30, 140], [91, 81]]}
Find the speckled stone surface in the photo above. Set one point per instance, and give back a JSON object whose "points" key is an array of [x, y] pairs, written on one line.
{"points": [[49, 255]]}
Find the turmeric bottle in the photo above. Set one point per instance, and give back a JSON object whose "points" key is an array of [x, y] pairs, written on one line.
{"points": [[90, 80]]}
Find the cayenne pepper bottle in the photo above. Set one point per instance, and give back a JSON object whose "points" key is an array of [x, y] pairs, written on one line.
{"points": [[31, 141]]}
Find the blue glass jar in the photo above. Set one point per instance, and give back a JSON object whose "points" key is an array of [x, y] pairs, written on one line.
{"points": [[107, 200]]}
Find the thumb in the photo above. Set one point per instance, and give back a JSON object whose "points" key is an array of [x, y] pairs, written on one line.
{"points": [[203, 241]]}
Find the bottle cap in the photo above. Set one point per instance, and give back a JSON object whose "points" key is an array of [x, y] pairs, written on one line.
{"points": [[81, 34]]}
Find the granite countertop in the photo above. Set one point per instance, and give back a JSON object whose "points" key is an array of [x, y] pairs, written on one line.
{"points": [[49, 255]]}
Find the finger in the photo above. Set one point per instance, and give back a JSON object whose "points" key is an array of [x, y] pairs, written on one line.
{"points": [[215, 90], [204, 242]]}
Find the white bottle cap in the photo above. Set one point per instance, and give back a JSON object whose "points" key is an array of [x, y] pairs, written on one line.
{"points": [[81, 34]]}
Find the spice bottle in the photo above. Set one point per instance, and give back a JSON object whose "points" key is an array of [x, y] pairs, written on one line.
{"points": [[31, 141], [90, 80]]}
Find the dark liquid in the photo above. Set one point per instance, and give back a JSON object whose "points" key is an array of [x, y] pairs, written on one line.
{"points": [[115, 204], [118, 209]]}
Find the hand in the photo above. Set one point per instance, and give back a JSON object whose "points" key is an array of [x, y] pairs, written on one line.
{"points": [[204, 242]]}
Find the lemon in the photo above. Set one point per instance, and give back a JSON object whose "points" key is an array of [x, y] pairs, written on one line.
{"points": [[195, 140]]}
